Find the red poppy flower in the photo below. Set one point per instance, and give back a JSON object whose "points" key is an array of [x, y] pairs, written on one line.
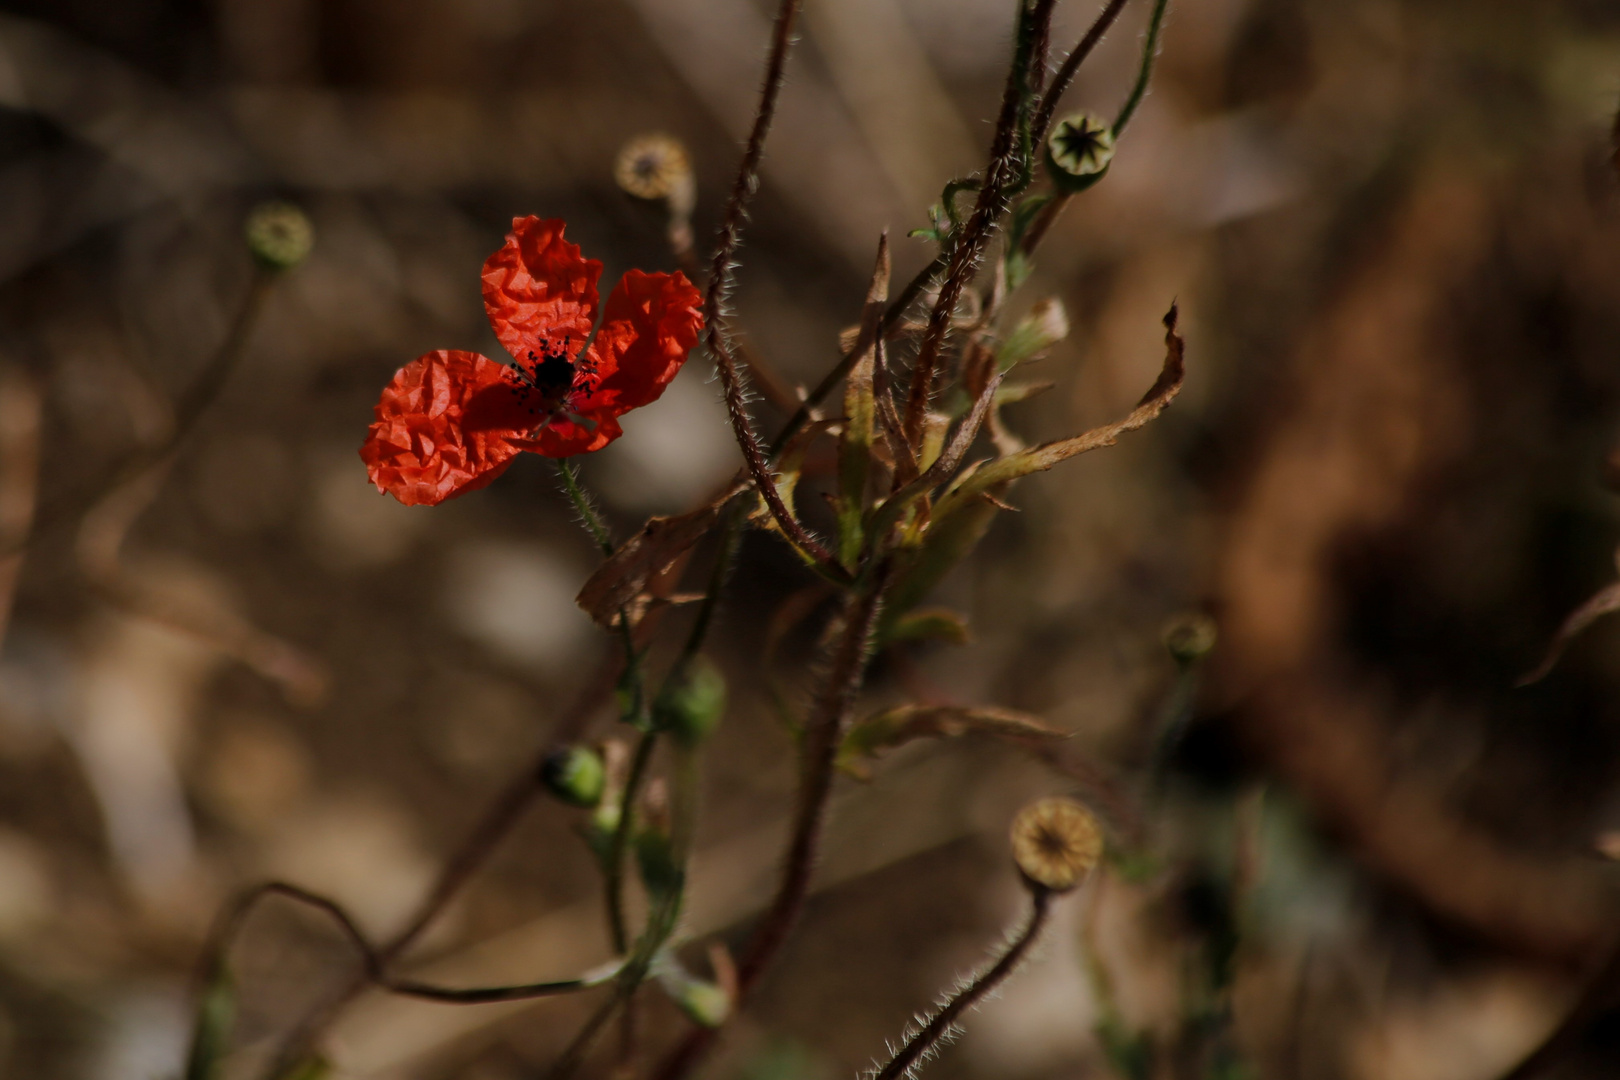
{"points": [[452, 421]]}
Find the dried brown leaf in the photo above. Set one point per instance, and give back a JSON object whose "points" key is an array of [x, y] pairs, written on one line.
{"points": [[905, 723], [625, 573]]}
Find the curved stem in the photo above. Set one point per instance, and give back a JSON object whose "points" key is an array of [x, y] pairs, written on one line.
{"points": [[1071, 65], [908, 1057], [823, 734], [621, 839], [375, 963], [721, 269], [1144, 71], [1006, 154]]}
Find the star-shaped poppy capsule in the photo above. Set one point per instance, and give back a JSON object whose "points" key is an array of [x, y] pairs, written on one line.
{"points": [[451, 421]]}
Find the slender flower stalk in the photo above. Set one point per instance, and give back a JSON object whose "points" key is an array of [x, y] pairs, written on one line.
{"points": [[939, 1026], [1006, 156], [721, 275]]}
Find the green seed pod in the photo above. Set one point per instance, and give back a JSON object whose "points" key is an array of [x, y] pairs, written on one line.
{"points": [[1189, 638], [279, 235], [690, 709], [1079, 151], [575, 775], [704, 1003], [655, 858]]}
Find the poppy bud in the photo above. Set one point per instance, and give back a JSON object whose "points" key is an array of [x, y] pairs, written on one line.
{"points": [[656, 167], [691, 706], [1055, 843], [1046, 324], [576, 775], [1190, 637], [704, 1003], [279, 235], [655, 858], [1079, 151]]}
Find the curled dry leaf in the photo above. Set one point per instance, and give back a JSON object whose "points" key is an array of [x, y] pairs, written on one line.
{"points": [[624, 575], [902, 724], [1605, 601], [1037, 458]]}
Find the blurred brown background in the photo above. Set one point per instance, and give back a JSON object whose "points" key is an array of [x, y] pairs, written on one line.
{"points": [[1394, 230]]}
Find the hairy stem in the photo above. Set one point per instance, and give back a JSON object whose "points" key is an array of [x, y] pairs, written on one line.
{"points": [[909, 1056], [824, 731], [1070, 66], [972, 239], [715, 337], [1144, 72], [614, 871]]}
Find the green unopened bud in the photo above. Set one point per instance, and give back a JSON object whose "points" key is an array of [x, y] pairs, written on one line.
{"points": [[576, 775], [691, 707], [655, 858], [1046, 324], [1079, 150], [1190, 637], [704, 1003], [279, 235]]}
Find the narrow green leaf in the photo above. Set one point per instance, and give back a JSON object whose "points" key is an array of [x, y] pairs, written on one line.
{"points": [[216, 1014], [855, 447], [927, 624], [898, 726]]}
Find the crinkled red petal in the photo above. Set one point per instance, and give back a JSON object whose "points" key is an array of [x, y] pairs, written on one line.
{"points": [[649, 327], [450, 422], [565, 437], [539, 291]]}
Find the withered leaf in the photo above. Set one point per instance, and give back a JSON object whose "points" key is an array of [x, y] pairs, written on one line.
{"points": [[895, 727], [623, 576], [1036, 458], [1605, 601]]}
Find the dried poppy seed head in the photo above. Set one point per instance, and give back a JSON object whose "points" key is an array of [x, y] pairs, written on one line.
{"points": [[656, 167], [1079, 150], [1190, 637], [279, 235], [1055, 843]]}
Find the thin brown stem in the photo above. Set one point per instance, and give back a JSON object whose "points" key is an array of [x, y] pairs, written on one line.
{"points": [[715, 337], [824, 732], [905, 1061], [968, 250], [1071, 64], [374, 963], [891, 315]]}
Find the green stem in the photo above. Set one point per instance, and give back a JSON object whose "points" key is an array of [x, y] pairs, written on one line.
{"points": [[614, 871], [598, 530], [1150, 49], [661, 920], [588, 515]]}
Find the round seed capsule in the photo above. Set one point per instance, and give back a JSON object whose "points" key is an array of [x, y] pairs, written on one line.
{"points": [[1055, 843]]}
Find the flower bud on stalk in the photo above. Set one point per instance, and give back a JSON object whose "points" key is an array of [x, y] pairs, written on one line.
{"points": [[655, 853], [656, 167], [1079, 151], [279, 235], [703, 1002], [1056, 843], [576, 775], [690, 709], [1189, 638]]}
